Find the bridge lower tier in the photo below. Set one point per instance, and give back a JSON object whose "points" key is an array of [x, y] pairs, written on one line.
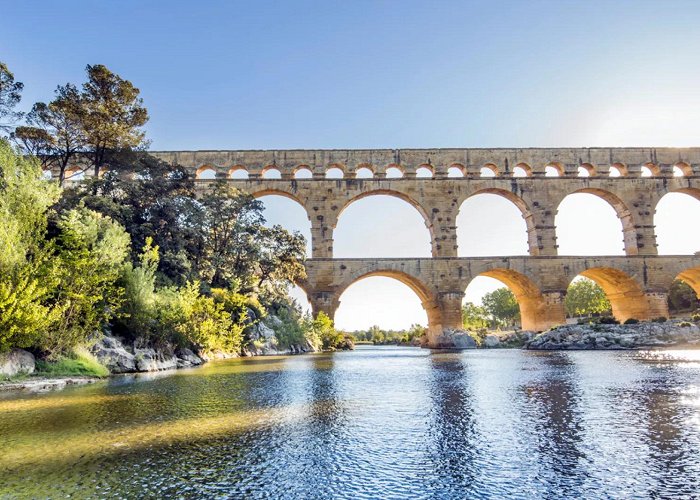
{"points": [[637, 286]]}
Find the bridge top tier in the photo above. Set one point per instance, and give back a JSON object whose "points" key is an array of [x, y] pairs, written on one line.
{"points": [[468, 162]]}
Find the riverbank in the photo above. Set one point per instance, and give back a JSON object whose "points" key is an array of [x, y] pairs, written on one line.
{"points": [[647, 335]]}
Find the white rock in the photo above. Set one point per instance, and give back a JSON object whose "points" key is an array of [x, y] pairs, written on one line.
{"points": [[16, 362]]}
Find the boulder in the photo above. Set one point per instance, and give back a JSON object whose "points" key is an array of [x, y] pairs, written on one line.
{"points": [[16, 362], [111, 353], [455, 339], [186, 358], [492, 341], [150, 360]]}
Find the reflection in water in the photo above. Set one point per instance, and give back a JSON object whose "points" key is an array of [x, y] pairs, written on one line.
{"points": [[380, 422]]}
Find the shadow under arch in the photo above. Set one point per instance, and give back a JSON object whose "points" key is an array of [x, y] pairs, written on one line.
{"points": [[533, 248], [624, 215], [401, 196], [534, 313], [691, 277], [423, 292], [625, 294]]}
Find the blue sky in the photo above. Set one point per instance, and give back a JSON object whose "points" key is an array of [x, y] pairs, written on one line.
{"points": [[230, 75]]}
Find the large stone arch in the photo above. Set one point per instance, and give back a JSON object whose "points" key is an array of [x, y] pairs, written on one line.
{"points": [[427, 295], [624, 215], [536, 313], [395, 194], [521, 205], [626, 295]]}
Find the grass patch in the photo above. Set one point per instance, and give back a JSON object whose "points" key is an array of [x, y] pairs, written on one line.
{"points": [[79, 363]]}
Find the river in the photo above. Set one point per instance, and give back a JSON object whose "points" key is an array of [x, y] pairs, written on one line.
{"points": [[379, 422]]}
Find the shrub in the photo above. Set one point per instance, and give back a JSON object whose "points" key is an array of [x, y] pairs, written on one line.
{"points": [[696, 317], [660, 319], [631, 321], [608, 320], [685, 324], [77, 363]]}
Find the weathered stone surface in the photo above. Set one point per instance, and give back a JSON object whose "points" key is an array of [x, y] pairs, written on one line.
{"points": [[638, 336], [186, 358], [149, 360], [16, 362], [111, 353], [492, 341], [44, 385], [454, 339]]}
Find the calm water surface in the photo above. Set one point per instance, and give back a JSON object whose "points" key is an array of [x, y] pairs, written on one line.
{"points": [[380, 422]]}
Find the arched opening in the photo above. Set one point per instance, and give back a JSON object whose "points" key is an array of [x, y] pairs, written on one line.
{"points": [[522, 170], [691, 278], [626, 297], [683, 295], [390, 301], [238, 172], [205, 173], [382, 224], [682, 169], [617, 170], [552, 171], [424, 172], [675, 222], [646, 171], [456, 171], [282, 209], [492, 223], [394, 172], [488, 170], [586, 170], [486, 290], [585, 299], [303, 172], [594, 222], [270, 172], [334, 173], [364, 173]]}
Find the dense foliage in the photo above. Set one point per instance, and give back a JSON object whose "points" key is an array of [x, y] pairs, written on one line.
{"points": [[135, 249], [586, 298]]}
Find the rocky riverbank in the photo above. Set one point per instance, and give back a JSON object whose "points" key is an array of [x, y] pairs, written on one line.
{"points": [[651, 335]]}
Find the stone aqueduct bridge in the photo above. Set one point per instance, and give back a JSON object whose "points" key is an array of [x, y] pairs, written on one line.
{"points": [[637, 284]]}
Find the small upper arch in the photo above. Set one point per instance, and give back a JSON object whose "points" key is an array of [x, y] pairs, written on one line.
{"points": [[522, 169], [425, 171], [489, 170], [302, 172], [271, 172], [682, 169], [237, 172], [586, 170], [205, 172], [554, 169], [456, 170], [618, 169], [335, 171], [364, 171], [650, 169], [394, 171]]}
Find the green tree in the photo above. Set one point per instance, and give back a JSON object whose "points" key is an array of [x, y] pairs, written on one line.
{"points": [[681, 297], [474, 317], [55, 130], [25, 259], [502, 306], [92, 249], [113, 114], [585, 298], [10, 95]]}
